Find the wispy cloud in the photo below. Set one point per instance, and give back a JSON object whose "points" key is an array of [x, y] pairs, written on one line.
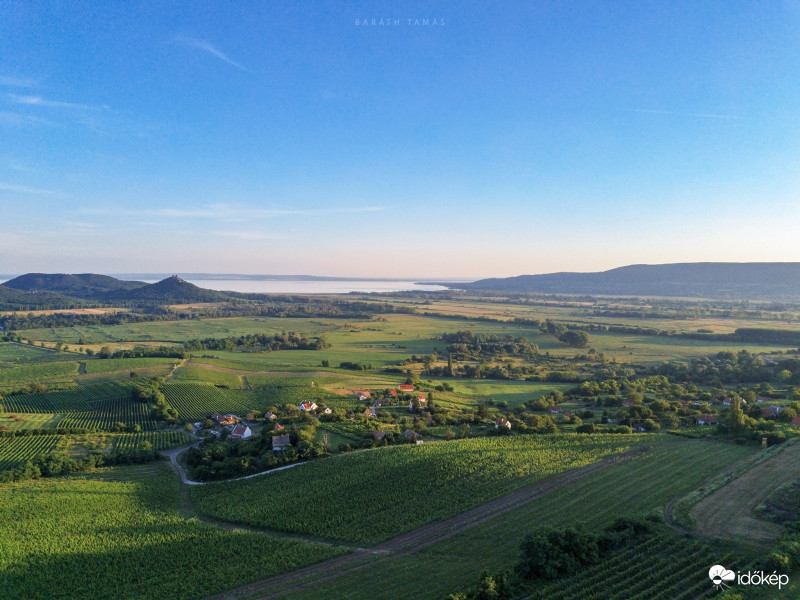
{"points": [[39, 101], [24, 189], [226, 212], [251, 235], [209, 48], [21, 120], [17, 82], [681, 114]]}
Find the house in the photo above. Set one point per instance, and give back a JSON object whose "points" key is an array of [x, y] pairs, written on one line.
{"points": [[405, 387], [413, 435], [362, 396], [226, 420], [501, 422], [421, 399], [241, 432], [326, 411], [393, 392], [727, 401], [278, 427], [771, 412], [216, 417], [307, 406], [270, 416], [762, 399], [281, 442], [628, 403], [555, 409], [706, 419], [368, 413], [378, 434], [796, 421]]}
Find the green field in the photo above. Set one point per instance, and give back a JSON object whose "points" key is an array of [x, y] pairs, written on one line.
{"points": [[404, 486], [118, 534]]}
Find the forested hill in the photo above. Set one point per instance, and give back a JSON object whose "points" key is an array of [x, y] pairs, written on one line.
{"points": [[84, 285], [11, 299], [768, 281], [172, 290], [57, 291]]}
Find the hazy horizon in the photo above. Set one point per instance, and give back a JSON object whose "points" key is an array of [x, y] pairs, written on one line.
{"points": [[476, 140]]}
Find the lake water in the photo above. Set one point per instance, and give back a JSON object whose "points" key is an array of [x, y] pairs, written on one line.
{"points": [[282, 286]]}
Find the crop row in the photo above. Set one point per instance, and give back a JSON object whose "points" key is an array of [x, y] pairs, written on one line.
{"points": [[197, 401], [16, 450], [12, 374]]}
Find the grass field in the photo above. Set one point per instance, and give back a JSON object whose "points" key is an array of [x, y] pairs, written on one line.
{"points": [[371, 496], [118, 534]]}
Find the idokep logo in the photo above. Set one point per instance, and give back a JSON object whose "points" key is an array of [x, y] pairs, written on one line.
{"points": [[722, 578]]}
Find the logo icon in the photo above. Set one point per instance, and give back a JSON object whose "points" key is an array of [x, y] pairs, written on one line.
{"points": [[719, 576]]}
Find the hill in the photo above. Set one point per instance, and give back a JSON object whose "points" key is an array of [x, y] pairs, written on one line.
{"points": [[172, 290], [731, 281], [11, 299], [84, 285]]}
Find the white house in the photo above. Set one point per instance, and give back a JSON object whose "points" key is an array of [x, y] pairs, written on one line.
{"points": [[241, 432], [307, 406]]}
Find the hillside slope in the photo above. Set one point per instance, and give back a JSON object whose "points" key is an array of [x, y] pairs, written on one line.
{"points": [[776, 281]]}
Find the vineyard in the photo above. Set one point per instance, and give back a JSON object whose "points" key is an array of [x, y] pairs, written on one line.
{"points": [[401, 487], [102, 537], [16, 450], [105, 414], [11, 374], [160, 440], [195, 402], [660, 566], [77, 399], [633, 487]]}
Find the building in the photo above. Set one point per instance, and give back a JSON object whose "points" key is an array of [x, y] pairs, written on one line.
{"points": [[413, 435], [501, 422], [281, 442], [405, 387], [241, 432], [706, 419], [307, 406]]}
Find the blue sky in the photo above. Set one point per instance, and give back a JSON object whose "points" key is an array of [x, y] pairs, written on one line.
{"points": [[454, 139]]}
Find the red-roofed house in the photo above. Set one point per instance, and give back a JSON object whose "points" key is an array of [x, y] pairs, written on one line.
{"points": [[771, 412], [555, 409], [393, 392], [421, 399], [405, 387], [307, 406], [707, 419], [241, 432], [727, 401], [278, 427], [501, 422], [361, 396]]}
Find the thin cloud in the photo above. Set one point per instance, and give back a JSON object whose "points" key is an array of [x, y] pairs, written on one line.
{"points": [[210, 49], [39, 101], [249, 235], [21, 120], [235, 213], [681, 114], [17, 82], [24, 189]]}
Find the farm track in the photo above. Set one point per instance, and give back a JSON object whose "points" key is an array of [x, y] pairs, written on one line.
{"points": [[728, 512], [418, 539]]}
